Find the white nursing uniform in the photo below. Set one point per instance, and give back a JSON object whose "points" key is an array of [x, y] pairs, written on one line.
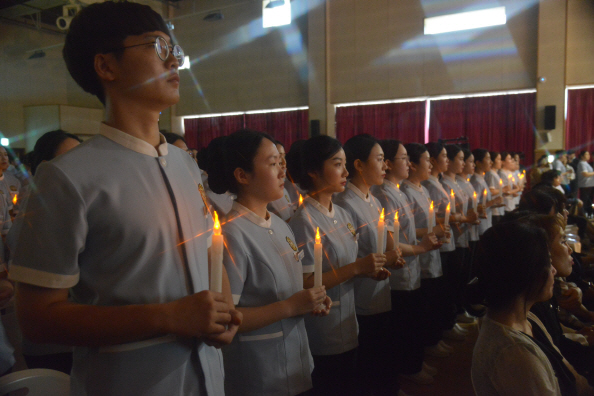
{"points": [[335, 333], [282, 207], [508, 180], [371, 297], [394, 200], [263, 264], [492, 178], [480, 186], [222, 203], [107, 222], [464, 183], [441, 199], [460, 230]]}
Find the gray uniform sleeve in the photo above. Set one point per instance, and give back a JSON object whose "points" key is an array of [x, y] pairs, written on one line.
{"points": [[53, 235], [235, 260]]}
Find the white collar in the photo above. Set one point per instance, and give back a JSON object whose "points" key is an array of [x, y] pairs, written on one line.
{"points": [[479, 175], [251, 216], [320, 207], [413, 186], [359, 193], [463, 179], [392, 185], [133, 143], [449, 178]]}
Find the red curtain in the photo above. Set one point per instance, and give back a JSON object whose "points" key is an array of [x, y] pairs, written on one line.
{"points": [[284, 126], [579, 127], [402, 121], [501, 122], [200, 131]]}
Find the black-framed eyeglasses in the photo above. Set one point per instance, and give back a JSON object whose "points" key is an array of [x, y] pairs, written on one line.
{"points": [[406, 158], [162, 48]]}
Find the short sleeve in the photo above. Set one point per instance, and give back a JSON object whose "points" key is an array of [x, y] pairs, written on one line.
{"points": [[518, 371], [50, 241], [236, 263], [305, 237]]}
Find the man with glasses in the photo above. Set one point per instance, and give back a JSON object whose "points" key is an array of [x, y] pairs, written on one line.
{"points": [[118, 224]]}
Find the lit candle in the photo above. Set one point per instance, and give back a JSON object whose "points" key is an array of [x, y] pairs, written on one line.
{"points": [[14, 199], [396, 230], [216, 258], [453, 201], [318, 260], [381, 226], [300, 199], [474, 200], [485, 199], [447, 215], [500, 188], [431, 221]]}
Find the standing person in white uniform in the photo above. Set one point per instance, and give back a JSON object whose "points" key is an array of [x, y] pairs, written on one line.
{"points": [[271, 354], [293, 159], [496, 185], [482, 161], [405, 282], [560, 164], [505, 173], [141, 318], [332, 339], [366, 167], [282, 207], [585, 175]]}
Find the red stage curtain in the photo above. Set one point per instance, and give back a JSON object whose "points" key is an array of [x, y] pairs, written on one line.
{"points": [[200, 131], [284, 126], [403, 121], [579, 127], [501, 122]]}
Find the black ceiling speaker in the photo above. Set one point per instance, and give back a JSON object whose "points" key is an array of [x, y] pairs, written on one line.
{"points": [[549, 117]]}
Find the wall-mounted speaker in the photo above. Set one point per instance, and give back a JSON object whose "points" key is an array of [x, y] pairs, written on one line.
{"points": [[314, 128], [549, 117]]}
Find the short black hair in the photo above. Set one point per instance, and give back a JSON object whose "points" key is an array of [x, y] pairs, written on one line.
{"points": [[101, 28], [314, 152], [479, 154], [171, 137], [549, 176], [582, 153], [47, 145], [415, 150], [434, 148], [358, 148], [390, 147], [452, 150]]}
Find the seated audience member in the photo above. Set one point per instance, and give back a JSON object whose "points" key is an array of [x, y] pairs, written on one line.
{"points": [[542, 165], [560, 165], [585, 175], [514, 354]]}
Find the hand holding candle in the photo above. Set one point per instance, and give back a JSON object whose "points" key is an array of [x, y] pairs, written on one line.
{"points": [[381, 226], [216, 258]]}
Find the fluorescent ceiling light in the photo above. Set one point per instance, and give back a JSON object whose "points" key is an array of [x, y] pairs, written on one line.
{"points": [[4, 142], [186, 63], [276, 13], [465, 21]]}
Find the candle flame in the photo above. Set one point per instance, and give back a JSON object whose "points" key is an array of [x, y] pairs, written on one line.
{"points": [[300, 199], [485, 193], [500, 182], [14, 199], [398, 186], [382, 217], [217, 224], [468, 180], [448, 207], [396, 216], [431, 207], [452, 194], [475, 195], [509, 176], [318, 239]]}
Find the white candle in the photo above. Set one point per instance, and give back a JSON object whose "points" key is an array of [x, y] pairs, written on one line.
{"points": [[381, 227], [396, 230], [216, 258], [453, 201], [318, 260], [431, 221], [500, 188], [474, 200], [485, 199], [446, 221]]}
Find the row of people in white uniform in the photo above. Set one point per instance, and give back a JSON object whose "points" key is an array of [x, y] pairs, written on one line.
{"points": [[382, 311]]}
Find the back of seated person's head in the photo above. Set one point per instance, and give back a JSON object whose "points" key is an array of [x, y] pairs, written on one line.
{"points": [[549, 177], [49, 145], [101, 28], [202, 158], [513, 262], [543, 199]]}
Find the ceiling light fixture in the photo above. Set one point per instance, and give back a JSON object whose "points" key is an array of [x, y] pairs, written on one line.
{"points": [[276, 13], [465, 21]]}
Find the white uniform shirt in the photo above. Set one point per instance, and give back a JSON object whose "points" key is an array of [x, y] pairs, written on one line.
{"points": [[294, 192], [263, 265], [419, 202], [337, 332], [464, 183], [583, 182], [460, 230], [222, 203], [509, 200], [558, 165], [282, 207], [480, 186], [492, 178], [393, 200], [9, 188], [441, 199], [371, 297], [107, 221]]}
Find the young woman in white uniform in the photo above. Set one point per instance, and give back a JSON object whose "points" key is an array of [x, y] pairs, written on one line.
{"points": [[282, 207], [332, 339], [366, 166], [404, 282], [496, 185], [505, 173], [270, 355]]}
